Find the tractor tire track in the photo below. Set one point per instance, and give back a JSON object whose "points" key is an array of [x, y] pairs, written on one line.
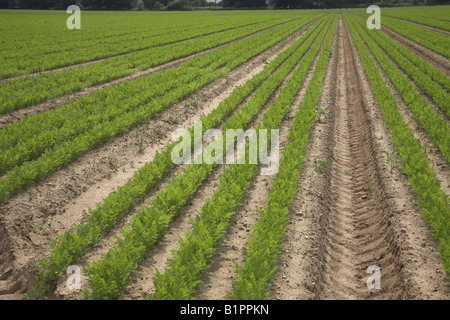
{"points": [[355, 229], [298, 259]]}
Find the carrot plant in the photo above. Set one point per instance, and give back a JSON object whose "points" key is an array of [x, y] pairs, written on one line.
{"points": [[25, 91], [434, 125], [109, 275], [71, 245], [199, 244], [253, 277], [433, 201], [226, 59]]}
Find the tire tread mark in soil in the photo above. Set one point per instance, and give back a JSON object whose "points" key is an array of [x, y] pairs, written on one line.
{"points": [[355, 229]]}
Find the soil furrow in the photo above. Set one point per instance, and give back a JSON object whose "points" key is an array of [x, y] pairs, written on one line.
{"points": [[356, 231], [439, 164], [434, 59], [61, 197], [422, 270], [159, 255], [57, 102], [141, 282], [297, 262], [178, 227], [217, 280]]}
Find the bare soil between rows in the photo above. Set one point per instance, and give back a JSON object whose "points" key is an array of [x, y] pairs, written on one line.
{"points": [[353, 209], [436, 60], [57, 203], [55, 103]]}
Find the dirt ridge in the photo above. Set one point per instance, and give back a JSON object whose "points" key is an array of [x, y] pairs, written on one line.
{"points": [[434, 59], [53, 205], [355, 230], [54, 103]]}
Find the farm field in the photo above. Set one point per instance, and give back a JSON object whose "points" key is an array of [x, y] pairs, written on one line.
{"points": [[88, 180]]}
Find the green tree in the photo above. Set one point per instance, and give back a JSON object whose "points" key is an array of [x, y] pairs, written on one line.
{"points": [[63, 4], [4, 4], [176, 5], [140, 5], [253, 3]]}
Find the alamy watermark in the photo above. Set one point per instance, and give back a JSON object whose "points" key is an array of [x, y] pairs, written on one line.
{"points": [[74, 21], [74, 279], [374, 21], [221, 149], [374, 280]]}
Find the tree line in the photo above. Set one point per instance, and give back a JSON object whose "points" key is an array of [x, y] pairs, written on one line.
{"points": [[94, 4], [184, 4]]}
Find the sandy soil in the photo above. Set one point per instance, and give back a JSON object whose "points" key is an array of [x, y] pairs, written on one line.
{"points": [[57, 102], [354, 208], [356, 212], [218, 279], [56, 203], [435, 59]]}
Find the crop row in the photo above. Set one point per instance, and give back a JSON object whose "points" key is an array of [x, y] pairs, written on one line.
{"points": [[264, 245], [96, 26], [433, 40], [419, 70], [110, 274], [146, 40], [30, 138], [78, 47], [26, 91], [437, 75], [114, 44], [434, 202], [423, 16], [434, 125], [199, 245], [72, 244], [207, 67]]}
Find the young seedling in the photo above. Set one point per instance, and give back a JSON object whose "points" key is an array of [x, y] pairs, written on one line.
{"points": [[36, 227], [141, 145], [392, 160], [46, 209], [321, 166], [195, 102], [319, 112], [112, 162]]}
